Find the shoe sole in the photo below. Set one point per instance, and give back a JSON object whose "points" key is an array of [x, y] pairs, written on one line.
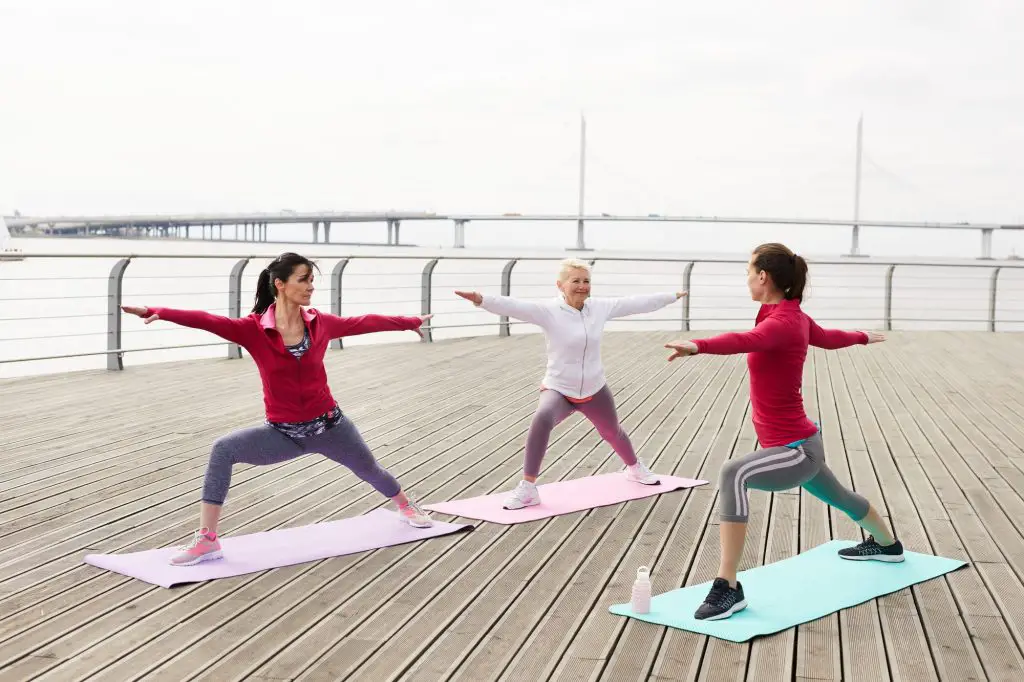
{"points": [[632, 479], [876, 557], [738, 606], [522, 506], [198, 560]]}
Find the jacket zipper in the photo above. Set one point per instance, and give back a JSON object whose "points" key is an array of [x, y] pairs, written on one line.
{"points": [[583, 365]]}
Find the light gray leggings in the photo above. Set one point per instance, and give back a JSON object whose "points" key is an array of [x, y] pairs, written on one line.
{"points": [[266, 445], [783, 468]]}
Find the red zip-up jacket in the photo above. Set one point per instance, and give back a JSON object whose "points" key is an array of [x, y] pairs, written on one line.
{"points": [[293, 390], [776, 349]]}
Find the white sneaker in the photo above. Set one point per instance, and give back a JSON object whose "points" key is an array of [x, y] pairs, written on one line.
{"points": [[525, 495], [414, 516], [639, 473]]}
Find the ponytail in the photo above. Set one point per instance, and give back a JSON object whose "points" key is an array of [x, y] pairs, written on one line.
{"points": [[788, 270], [796, 289], [265, 292], [281, 268]]}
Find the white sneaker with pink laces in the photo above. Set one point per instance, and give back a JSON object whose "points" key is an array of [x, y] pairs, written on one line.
{"points": [[415, 516], [204, 547]]}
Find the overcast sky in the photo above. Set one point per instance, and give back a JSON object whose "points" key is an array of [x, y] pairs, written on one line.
{"points": [[727, 108]]}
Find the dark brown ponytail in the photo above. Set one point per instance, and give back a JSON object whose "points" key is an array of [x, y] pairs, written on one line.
{"points": [[787, 269], [265, 293]]}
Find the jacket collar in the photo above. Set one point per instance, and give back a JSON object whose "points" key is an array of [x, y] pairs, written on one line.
{"points": [[560, 301], [768, 309], [269, 321]]}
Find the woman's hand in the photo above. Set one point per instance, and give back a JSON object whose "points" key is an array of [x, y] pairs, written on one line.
{"points": [[680, 294], [140, 311], [473, 296], [681, 348], [875, 337], [423, 321]]}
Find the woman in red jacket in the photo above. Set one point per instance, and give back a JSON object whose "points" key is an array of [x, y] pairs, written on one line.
{"points": [[287, 342], [792, 454]]}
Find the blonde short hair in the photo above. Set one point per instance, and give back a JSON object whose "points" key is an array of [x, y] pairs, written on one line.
{"points": [[569, 264]]}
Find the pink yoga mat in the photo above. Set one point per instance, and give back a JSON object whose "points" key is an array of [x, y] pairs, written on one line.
{"points": [[270, 549], [562, 497]]}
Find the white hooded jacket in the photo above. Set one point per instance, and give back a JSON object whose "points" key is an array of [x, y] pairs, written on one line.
{"points": [[574, 336]]}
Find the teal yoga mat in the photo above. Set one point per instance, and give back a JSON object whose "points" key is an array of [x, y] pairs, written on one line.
{"points": [[797, 590]]}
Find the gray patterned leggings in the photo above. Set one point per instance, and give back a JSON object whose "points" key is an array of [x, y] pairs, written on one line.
{"points": [[266, 445], [783, 468]]}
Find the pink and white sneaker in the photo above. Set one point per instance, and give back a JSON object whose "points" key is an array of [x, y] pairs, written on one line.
{"points": [[415, 516], [204, 547]]}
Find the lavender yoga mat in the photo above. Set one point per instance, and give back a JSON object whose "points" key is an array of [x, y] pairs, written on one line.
{"points": [[562, 497], [270, 549]]}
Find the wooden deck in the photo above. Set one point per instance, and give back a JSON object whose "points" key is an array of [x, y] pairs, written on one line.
{"points": [[930, 426]]}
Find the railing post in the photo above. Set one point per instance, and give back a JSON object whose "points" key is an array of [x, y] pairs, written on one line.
{"points": [[986, 243], [992, 294], [235, 301], [460, 234], [336, 273], [425, 298], [114, 289], [888, 297], [506, 289], [686, 299]]}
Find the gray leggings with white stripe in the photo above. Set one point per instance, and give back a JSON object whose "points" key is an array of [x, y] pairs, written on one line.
{"points": [[783, 468]]}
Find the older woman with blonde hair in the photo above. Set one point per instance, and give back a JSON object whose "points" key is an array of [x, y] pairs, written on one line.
{"points": [[573, 323]]}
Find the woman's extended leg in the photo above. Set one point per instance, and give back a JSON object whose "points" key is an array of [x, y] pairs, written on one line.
{"points": [[600, 410], [881, 544], [552, 409], [255, 445], [344, 444]]}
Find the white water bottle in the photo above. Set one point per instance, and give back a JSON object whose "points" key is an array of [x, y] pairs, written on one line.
{"points": [[641, 602]]}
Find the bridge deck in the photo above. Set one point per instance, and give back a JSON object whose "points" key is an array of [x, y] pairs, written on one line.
{"points": [[928, 425]]}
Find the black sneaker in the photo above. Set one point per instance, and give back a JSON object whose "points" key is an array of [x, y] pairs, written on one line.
{"points": [[722, 601], [869, 550]]}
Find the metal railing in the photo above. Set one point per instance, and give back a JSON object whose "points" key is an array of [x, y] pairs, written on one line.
{"points": [[703, 304]]}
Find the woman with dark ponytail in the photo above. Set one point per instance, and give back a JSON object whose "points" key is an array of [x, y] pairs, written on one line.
{"points": [[287, 341], [792, 454]]}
